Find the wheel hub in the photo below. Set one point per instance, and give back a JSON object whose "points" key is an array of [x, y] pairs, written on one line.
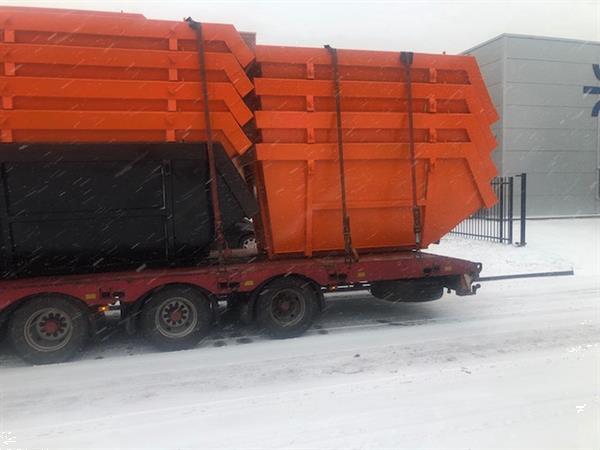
{"points": [[50, 327], [176, 317], [175, 313], [284, 306], [287, 307], [48, 330]]}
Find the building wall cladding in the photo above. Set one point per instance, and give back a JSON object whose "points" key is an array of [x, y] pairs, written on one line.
{"points": [[547, 129]]}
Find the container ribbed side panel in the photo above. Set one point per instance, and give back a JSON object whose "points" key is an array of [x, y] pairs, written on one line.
{"points": [[298, 155], [75, 76]]}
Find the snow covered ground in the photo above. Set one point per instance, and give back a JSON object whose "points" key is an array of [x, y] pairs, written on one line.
{"points": [[551, 246], [517, 366]]}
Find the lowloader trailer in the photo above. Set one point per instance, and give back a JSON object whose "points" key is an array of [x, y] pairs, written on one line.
{"points": [[130, 148], [49, 319]]}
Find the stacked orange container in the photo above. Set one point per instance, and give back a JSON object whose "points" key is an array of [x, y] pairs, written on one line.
{"points": [[74, 76], [298, 149]]}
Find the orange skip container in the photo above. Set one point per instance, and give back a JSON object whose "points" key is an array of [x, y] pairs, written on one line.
{"points": [[76, 76], [298, 160]]}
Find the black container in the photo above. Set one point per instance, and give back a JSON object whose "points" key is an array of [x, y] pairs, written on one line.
{"points": [[76, 208]]}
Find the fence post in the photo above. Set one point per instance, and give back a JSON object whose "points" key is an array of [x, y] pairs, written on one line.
{"points": [[522, 241], [510, 208], [497, 223], [501, 210]]}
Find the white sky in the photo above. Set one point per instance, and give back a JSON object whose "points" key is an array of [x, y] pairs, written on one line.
{"points": [[424, 26]]}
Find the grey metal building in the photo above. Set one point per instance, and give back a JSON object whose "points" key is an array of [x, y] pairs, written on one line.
{"points": [[547, 92]]}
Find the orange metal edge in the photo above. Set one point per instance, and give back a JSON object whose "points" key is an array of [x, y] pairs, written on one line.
{"points": [[116, 57], [36, 19], [304, 55], [61, 11], [376, 89], [367, 120], [298, 87], [122, 90], [64, 121]]}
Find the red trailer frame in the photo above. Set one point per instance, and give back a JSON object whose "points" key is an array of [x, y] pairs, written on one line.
{"points": [[244, 276]]}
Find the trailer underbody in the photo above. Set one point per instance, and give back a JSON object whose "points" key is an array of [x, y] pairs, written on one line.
{"points": [[50, 318]]}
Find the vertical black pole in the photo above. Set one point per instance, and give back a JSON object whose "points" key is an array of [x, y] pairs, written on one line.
{"points": [[510, 208], [480, 224], [523, 177], [501, 211]]}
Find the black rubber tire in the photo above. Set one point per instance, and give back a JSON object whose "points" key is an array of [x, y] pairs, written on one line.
{"points": [[304, 295], [157, 332], [72, 344], [409, 291]]}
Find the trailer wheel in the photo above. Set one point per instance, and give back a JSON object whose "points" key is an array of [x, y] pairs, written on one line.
{"points": [[176, 318], [48, 330], [286, 307]]}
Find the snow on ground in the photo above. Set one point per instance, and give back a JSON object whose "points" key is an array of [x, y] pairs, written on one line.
{"points": [[551, 246], [517, 366]]}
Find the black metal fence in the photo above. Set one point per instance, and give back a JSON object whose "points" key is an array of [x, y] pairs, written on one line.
{"points": [[497, 223]]}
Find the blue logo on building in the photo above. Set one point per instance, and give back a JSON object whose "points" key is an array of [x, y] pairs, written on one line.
{"points": [[594, 90]]}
